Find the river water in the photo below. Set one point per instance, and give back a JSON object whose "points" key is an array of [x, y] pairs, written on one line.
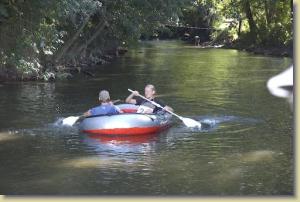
{"points": [[245, 148]]}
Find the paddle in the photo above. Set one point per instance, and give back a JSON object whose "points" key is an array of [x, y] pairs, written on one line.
{"points": [[187, 121], [71, 120]]}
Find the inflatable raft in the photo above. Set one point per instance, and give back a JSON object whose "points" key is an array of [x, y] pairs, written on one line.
{"points": [[127, 123]]}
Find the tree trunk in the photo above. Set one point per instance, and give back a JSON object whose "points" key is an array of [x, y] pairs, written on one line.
{"points": [[252, 25], [98, 29], [71, 41], [267, 13], [292, 11], [240, 27]]}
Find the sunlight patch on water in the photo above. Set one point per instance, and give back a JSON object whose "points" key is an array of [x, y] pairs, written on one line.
{"points": [[7, 136], [257, 156], [88, 162]]}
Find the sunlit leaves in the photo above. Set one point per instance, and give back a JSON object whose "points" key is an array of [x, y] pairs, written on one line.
{"points": [[272, 18]]}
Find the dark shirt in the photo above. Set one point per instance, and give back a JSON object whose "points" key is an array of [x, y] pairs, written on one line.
{"points": [[141, 101]]}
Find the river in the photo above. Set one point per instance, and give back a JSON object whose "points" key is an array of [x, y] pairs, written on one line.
{"points": [[245, 149]]}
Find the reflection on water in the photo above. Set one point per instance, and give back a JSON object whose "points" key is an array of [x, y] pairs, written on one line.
{"points": [[142, 144], [243, 148]]}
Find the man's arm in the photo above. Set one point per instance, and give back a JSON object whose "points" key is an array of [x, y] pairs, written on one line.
{"points": [[130, 99], [118, 109], [162, 103], [87, 113]]}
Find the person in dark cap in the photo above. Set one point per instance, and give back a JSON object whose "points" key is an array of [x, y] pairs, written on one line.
{"points": [[105, 108]]}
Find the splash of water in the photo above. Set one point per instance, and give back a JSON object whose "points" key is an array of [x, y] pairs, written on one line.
{"points": [[212, 123]]}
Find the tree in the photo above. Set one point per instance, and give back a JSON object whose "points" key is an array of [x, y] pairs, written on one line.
{"points": [[42, 36]]}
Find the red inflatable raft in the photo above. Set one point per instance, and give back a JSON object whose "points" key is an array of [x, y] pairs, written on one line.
{"points": [[127, 123]]}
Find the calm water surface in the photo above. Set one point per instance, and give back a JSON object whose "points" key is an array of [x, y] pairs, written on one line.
{"points": [[245, 148]]}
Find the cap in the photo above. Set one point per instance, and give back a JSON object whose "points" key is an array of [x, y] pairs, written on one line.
{"points": [[104, 96]]}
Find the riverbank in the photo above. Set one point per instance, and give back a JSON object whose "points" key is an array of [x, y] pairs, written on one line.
{"points": [[66, 70], [263, 50], [256, 49], [89, 64]]}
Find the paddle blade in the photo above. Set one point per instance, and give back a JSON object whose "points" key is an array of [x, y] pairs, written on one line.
{"points": [[70, 121], [191, 123]]}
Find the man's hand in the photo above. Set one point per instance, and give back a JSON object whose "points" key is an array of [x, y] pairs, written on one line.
{"points": [[86, 114], [135, 93], [168, 108]]}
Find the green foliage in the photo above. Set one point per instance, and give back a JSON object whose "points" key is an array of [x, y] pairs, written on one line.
{"points": [[33, 33], [271, 18], [37, 35]]}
